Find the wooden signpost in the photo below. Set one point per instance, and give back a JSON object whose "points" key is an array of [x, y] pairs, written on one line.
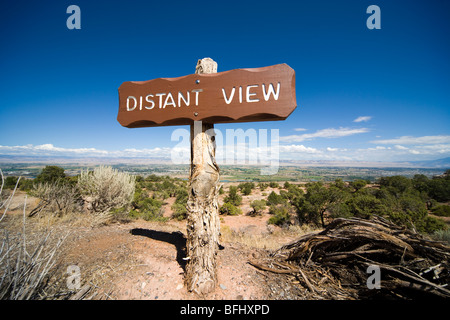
{"points": [[242, 95], [200, 100]]}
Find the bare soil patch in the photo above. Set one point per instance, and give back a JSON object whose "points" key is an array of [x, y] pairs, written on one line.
{"points": [[144, 260]]}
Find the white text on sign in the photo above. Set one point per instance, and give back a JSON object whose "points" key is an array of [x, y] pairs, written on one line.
{"points": [[162, 100]]}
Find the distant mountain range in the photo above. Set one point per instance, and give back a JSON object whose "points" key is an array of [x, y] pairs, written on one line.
{"points": [[439, 163]]}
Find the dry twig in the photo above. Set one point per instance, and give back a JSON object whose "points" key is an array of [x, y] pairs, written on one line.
{"points": [[411, 265]]}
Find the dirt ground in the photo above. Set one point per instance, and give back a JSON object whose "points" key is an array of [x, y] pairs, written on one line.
{"points": [[144, 259]]}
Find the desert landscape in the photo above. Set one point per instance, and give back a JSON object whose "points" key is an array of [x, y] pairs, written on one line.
{"points": [[140, 253], [144, 259]]}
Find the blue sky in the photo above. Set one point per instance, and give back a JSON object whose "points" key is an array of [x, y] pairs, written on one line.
{"points": [[373, 95]]}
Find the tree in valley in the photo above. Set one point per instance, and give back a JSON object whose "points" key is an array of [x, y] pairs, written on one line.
{"points": [[316, 201], [50, 174]]}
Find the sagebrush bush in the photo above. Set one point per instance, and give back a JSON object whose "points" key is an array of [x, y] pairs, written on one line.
{"points": [[442, 235], [58, 198], [106, 188]]}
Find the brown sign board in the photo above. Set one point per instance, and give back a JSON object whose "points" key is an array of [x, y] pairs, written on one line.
{"points": [[240, 95]]}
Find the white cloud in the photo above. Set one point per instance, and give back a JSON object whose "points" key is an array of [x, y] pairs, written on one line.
{"points": [[292, 151], [324, 133], [415, 140], [50, 150], [424, 146], [154, 153], [378, 148], [433, 149], [362, 119], [300, 129], [298, 148]]}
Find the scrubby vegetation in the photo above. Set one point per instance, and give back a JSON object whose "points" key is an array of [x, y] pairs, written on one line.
{"points": [[230, 209], [416, 202], [151, 193], [105, 189], [402, 200], [233, 196], [258, 206], [246, 188]]}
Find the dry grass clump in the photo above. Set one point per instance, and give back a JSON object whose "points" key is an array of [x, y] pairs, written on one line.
{"points": [[27, 265], [57, 198], [28, 256]]}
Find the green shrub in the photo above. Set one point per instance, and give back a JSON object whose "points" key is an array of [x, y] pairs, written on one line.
{"points": [[179, 211], [150, 204], [10, 182], [294, 192], [396, 184], [439, 187], [358, 184], [430, 225], [150, 216], [24, 183], [246, 190], [274, 199], [121, 214], [230, 209], [281, 215], [233, 197], [134, 214], [262, 186], [147, 215], [50, 174], [246, 187], [340, 210], [339, 183], [274, 185], [441, 210], [258, 206], [364, 206]]}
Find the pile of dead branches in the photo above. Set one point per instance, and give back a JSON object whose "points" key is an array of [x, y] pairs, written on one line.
{"points": [[341, 262]]}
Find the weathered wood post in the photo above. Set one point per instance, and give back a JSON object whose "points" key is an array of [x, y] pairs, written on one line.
{"points": [[203, 225], [201, 100]]}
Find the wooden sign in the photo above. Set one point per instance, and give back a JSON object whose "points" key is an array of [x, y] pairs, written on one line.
{"points": [[240, 95]]}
